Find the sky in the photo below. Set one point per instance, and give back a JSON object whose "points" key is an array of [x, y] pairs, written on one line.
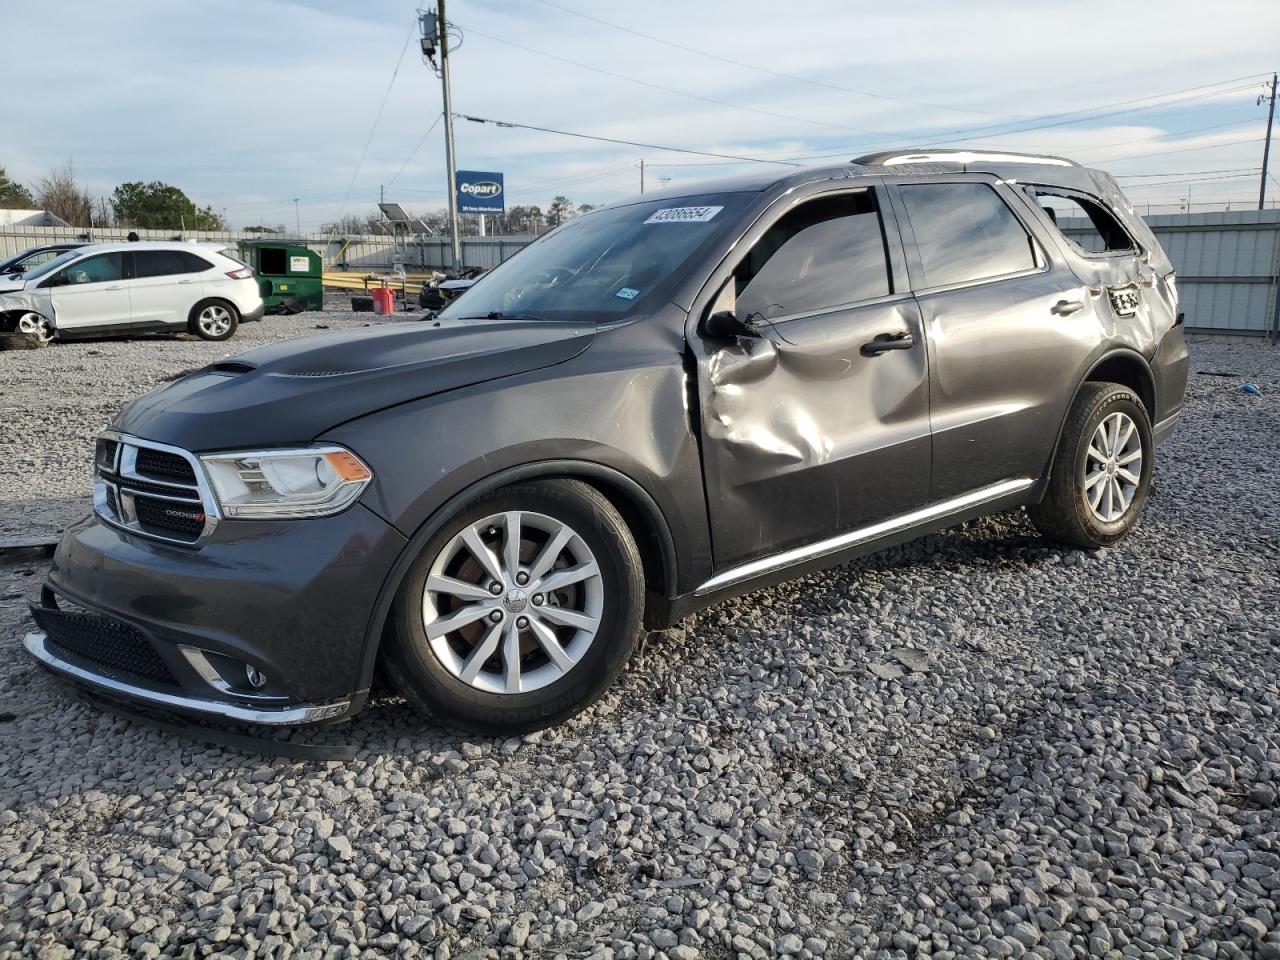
{"points": [[247, 104]]}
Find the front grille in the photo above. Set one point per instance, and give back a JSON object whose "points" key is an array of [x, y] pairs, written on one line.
{"points": [[169, 467], [102, 644], [149, 490], [166, 516]]}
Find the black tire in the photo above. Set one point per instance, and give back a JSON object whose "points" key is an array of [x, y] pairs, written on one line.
{"points": [[435, 690], [1065, 514], [197, 325], [21, 341]]}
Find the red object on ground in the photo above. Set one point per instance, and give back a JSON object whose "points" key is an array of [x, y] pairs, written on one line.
{"points": [[384, 300]]}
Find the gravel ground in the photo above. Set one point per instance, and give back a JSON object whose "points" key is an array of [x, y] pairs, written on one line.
{"points": [[977, 744]]}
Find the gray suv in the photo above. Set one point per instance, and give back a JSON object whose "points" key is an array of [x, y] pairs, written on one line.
{"points": [[658, 405]]}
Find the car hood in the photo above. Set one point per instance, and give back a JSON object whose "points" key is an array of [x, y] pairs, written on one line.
{"points": [[12, 284], [293, 391]]}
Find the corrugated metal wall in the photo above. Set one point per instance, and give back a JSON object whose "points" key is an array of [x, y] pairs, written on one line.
{"points": [[1228, 266], [1228, 262]]}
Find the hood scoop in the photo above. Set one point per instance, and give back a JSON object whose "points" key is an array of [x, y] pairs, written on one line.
{"points": [[231, 366]]}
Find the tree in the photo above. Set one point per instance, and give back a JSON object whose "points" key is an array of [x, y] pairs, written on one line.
{"points": [[263, 228], [586, 207], [62, 195], [561, 209], [13, 195], [159, 206]]}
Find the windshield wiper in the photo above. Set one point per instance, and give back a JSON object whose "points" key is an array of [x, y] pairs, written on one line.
{"points": [[499, 315]]}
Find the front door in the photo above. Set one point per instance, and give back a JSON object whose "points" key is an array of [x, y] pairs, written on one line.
{"points": [[815, 424], [1008, 325], [90, 295]]}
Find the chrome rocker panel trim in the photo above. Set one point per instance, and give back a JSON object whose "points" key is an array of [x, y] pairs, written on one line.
{"points": [[822, 548], [306, 713]]}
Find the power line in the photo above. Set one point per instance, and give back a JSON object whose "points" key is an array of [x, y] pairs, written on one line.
{"points": [[766, 70], [627, 143], [658, 86], [1182, 173], [414, 151], [382, 106], [1165, 153]]}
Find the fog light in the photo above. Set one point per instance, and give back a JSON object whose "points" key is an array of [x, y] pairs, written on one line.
{"points": [[256, 677]]}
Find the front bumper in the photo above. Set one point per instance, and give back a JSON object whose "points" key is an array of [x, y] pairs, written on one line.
{"points": [[183, 628]]}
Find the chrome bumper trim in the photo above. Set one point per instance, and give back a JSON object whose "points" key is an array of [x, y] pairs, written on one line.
{"points": [[835, 544], [306, 713]]}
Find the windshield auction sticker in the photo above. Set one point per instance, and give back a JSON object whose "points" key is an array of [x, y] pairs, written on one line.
{"points": [[684, 215]]}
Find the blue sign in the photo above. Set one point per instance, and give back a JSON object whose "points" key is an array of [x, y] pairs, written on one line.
{"points": [[480, 192]]}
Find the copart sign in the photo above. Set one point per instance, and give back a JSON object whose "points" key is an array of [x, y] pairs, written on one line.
{"points": [[479, 192]]}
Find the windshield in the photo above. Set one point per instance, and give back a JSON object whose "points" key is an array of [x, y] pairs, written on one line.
{"points": [[609, 262], [45, 269]]}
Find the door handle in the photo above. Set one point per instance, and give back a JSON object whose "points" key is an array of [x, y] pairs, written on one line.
{"points": [[186, 281], [900, 340], [113, 288], [1065, 308]]}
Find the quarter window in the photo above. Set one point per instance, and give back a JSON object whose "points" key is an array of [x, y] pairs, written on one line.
{"points": [[965, 232], [1085, 223], [825, 253]]}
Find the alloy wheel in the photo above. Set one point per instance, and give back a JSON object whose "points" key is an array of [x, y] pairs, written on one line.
{"points": [[34, 323], [1113, 467], [214, 320], [513, 602]]}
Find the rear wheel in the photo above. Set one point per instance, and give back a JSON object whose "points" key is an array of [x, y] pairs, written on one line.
{"points": [[1102, 470], [520, 612], [214, 320]]}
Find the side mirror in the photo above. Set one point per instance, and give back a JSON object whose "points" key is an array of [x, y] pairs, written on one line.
{"points": [[725, 325]]}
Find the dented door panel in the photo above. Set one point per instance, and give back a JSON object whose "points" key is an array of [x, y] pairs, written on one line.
{"points": [[805, 436]]}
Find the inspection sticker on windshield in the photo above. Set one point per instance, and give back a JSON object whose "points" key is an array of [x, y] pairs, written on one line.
{"points": [[684, 215], [628, 293]]}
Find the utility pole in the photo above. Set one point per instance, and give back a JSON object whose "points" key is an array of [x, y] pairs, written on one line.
{"points": [[297, 217], [442, 35], [1266, 144], [642, 176]]}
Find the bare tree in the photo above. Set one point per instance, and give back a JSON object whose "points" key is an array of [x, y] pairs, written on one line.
{"points": [[60, 194]]}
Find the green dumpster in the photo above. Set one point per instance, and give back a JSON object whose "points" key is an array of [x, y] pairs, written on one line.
{"points": [[290, 276]]}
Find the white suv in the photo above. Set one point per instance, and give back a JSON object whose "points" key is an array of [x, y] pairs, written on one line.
{"points": [[140, 287]]}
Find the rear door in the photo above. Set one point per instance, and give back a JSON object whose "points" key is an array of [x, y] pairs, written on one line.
{"points": [[166, 285], [91, 294], [1008, 326], [818, 424]]}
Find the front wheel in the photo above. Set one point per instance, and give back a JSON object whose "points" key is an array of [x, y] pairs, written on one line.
{"points": [[33, 324], [520, 612], [214, 320], [1102, 470]]}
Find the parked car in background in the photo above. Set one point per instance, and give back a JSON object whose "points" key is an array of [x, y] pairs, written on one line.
{"points": [[34, 257], [655, 406], [140, 287]]}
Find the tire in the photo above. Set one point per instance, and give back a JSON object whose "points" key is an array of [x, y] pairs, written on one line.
{"points": [[463, 676], [33, 324], [21, 341], [1088, 503], [213, 320]]}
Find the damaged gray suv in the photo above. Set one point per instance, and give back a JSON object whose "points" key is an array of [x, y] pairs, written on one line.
{"points": [[657, 405]]}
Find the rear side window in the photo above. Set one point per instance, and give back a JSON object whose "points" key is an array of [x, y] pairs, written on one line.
{"points": [[1086, 223], [965, 232], [164, 263], [823, 254]]}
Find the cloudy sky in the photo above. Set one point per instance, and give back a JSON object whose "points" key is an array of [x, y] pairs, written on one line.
{"points": [[246, 104]]}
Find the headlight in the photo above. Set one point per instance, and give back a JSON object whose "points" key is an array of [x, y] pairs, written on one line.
{"points": [[276, 484]]}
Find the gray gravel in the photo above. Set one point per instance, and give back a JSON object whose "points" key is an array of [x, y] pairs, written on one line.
{"points": [[977, 744]]}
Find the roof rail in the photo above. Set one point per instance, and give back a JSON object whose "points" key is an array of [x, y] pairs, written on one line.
{"points": [[896, 157]]}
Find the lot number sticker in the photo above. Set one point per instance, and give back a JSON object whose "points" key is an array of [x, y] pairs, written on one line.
{"points": [[684, 215]]}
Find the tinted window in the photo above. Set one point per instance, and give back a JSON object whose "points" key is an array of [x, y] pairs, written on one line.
{"points": [[103, 268], [1087, 225], [965, 232], [163, 263], [825, 253]]}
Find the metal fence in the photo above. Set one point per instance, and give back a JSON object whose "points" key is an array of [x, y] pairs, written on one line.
{"points": [[1228, 262]]}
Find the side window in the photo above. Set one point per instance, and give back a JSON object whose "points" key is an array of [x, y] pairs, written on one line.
{"points": [[965, 232], [158, 263], [1086, 224], [824, 253], [39, 259], [193, 263], [103, 268]]}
